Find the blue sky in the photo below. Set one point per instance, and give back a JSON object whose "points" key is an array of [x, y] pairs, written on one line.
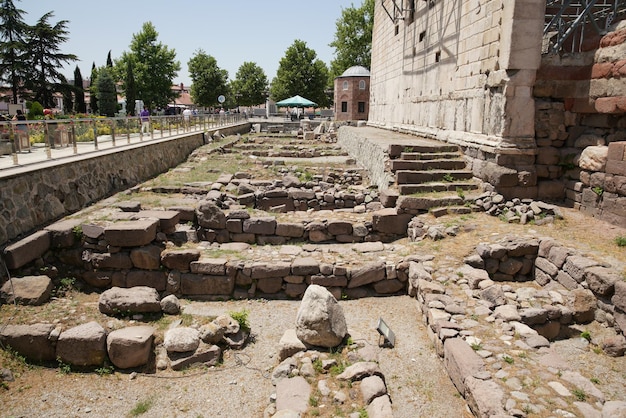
{"points": [[233, 32]]}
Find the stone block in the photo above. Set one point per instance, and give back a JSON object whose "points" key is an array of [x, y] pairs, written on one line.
{"points": [[260, 225], [131, 233], [209, 355], [369, 273], [83, 345], [388, 286], [388, 221], [616, 167], [582, 303], [147, 258], [339, 227], [550, 190], [461, 362], [27, 249], [290, 229], [130, 347], [199, 284], [388, 197], [155, 279], [113, 261], [27, 290], [566, 280], [139, 299], [619, 298], [270, 285], [211, 266], [179, 259], [64, 234], [576, 265], [305, 266], [617, 151], [293, 394], [102, 279], [546, 266], [266, 270], [289, 345], [30, 341], [168, 219]]}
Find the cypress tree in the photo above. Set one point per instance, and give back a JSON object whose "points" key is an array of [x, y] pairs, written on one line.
{"points": [[79, 92], [93, 89]]}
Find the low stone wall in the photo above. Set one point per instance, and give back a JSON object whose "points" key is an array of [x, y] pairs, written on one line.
{"points": [[372, 155], [132, 251], [595, 291], [40, 196]]}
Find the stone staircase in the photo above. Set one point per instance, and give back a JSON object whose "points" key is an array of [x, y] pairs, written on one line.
{"points": [[435, 172]]}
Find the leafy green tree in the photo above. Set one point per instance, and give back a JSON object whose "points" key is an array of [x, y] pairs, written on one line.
{"points": [[154, 65], [79, 92], [353, 38], [208, 81], [44, 46], [250, 85], [35, 110], [107, 95], [93, 89], [299, 72], [130, 88], [13, 47]]}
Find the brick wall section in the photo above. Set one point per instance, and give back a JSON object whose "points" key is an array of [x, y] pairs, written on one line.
{"points": [[581, 103]]}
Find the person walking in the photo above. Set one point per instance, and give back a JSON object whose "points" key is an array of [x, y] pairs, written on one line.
{"points": [[187, 118], [21, 129], [145, 120]]}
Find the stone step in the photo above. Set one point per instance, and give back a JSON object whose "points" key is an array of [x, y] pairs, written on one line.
{"points": [[395, 150], [421, 204], [405, 189], [429, 156], [416, 177], [450, 210], [423, 165]]}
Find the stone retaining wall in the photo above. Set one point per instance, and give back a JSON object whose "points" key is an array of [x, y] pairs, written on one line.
{"points": [[596, 291], [372, 155], [38, 197], [131, 251]]}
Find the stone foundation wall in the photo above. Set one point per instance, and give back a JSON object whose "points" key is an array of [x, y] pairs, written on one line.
{"points": [[38, 197], [594, 290], [370, 154], [580, 127]]}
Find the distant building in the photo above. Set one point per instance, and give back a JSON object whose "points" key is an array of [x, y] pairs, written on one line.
{"points": [[352, 92]]}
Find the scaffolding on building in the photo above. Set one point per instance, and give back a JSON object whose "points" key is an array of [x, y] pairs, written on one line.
{"points": [[569, 23]]}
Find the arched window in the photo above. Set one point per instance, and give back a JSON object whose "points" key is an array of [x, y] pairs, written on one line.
{"points": [[362, 85], [345, 85]]}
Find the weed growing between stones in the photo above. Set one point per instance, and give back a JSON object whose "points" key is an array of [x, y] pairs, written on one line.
{"points": [[620, 241], [242, 318], [141, 408]]}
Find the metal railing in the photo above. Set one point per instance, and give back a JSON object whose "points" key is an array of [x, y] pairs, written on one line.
{"points": [[31, 141], [568, 22]]}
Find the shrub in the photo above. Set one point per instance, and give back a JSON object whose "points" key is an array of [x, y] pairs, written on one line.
{"points": [[242, 318]]}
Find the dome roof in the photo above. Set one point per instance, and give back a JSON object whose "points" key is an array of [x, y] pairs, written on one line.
{"points": [[356, 71]]}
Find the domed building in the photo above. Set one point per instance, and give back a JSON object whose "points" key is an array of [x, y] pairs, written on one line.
{"points": [[352, 94]]}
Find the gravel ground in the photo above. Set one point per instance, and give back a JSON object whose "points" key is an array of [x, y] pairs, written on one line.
{"points": [[417, 382]]}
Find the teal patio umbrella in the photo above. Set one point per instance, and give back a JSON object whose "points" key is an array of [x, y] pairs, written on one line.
{"points": [[296, 101]]}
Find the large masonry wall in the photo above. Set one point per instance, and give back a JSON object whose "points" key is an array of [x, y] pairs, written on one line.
{"points": [[38, 197], [463, 72]]}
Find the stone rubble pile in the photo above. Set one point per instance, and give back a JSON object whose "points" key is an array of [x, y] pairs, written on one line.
{"points": [[127, 347], [492, 329], [308, 380], [517, 210]]}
